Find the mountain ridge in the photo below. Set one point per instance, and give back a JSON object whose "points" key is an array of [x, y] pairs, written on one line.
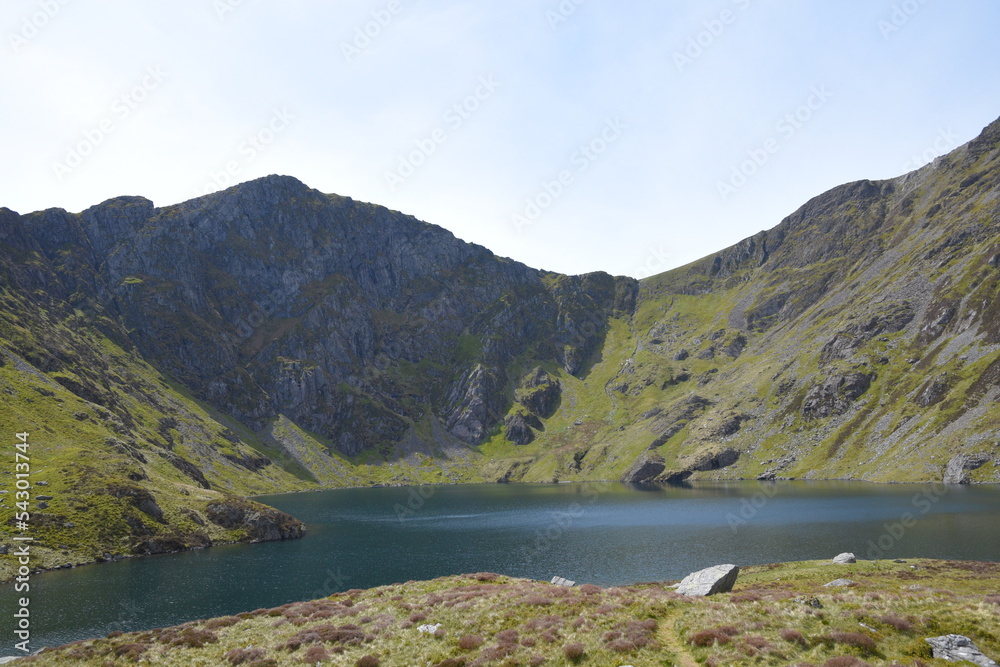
{"points": [[270, 337]]}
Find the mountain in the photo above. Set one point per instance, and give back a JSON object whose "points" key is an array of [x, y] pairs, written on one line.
{"points": [[167, 362]]}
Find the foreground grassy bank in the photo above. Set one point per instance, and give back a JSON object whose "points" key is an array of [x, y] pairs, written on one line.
{"points": [[776, 615]]}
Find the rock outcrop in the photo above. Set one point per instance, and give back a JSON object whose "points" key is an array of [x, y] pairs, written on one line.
{"points": [[261, 523], [646, 468], [958, 468], [958, 648]]}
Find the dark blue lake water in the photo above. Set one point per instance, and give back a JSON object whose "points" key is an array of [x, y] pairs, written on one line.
{"points": [[592, 533]]}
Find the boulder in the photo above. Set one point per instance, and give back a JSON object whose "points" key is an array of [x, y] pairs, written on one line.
{"points": [[958, 648], [517, 429], [559, 581], [837, 583], [712, 580], [845, 558]]}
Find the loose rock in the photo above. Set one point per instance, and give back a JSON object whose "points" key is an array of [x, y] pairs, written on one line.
{"points": [[839, 582], [711, 580], [956, 648]]}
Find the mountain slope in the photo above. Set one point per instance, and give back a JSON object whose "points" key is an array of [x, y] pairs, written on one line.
{"points": [[274, 338], [858, 339]]}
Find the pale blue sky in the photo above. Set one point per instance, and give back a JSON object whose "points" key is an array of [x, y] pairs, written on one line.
{"points": [[589, 134]]}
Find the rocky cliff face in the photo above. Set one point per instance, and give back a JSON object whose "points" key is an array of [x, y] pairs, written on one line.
{"points": [[271, 298], [271, 337]]}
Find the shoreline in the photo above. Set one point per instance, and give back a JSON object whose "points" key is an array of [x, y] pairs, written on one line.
{"points": [[5, 578], [790, 611]]}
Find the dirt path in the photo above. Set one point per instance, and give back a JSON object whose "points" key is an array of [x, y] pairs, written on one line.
{"points": [[672, 642]]}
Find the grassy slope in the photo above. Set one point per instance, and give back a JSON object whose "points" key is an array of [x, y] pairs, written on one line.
{"points": [[488, 619], [925, 242]]}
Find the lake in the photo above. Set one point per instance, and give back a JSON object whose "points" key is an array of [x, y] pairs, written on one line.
{"points": [[602, 533]]}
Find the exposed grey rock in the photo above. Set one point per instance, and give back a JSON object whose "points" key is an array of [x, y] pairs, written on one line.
{"points": [[4, 549], [646, 468], [475, 403], [43, 497], [731, 425], [837, 583], [43, 505], [845, 559], [262, 523], [736, 346], [935, 323], [958, 468], [711, 580], [559, 581], [834, 395], [517, 430], [540, 392], [669, 424], [933, 391], [682, 355], [707, 353], [956, 648], [713, 460], [843, 345]]}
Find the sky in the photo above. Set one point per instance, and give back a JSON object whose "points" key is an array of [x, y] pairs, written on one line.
{"points": [[572, 135]]}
